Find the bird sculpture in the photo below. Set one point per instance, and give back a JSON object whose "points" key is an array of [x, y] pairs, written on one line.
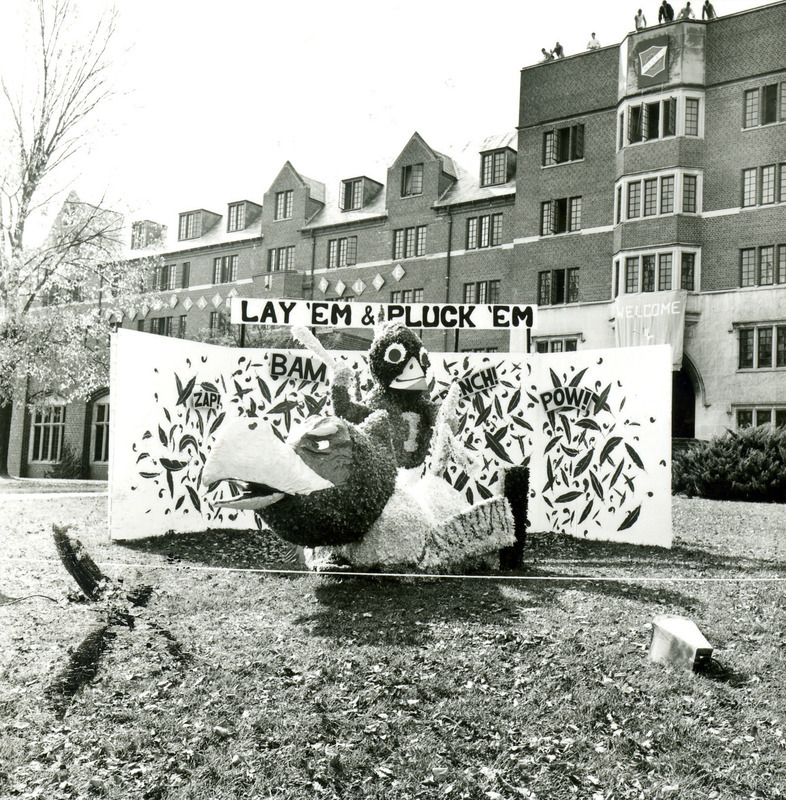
{"points": [[335, 490]]}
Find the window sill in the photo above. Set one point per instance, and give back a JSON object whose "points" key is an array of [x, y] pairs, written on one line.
{"points": [[560, 164], [561, 233], [764, 125]]}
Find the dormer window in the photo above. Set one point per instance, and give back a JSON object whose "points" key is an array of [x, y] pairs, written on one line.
{"points": [[494, 168], [237, 217], [190, 225], [412, 180], [194, 224], [351, 194], [284, 201]]}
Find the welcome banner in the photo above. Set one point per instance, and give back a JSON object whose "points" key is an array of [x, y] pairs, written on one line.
{"points": [[652, 318]]}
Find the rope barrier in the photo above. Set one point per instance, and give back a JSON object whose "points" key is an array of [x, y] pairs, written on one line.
{"points": [[421, 575]]}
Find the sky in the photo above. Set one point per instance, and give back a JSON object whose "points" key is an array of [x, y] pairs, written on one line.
{"points": [[213, 98]]}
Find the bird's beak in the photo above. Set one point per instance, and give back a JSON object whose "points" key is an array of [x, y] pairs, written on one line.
{"points": [[412, 377], [250, 455]]}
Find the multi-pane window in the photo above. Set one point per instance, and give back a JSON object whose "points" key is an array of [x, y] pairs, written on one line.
{"points": [[189, 226], [162, 326], [224, 269], [656, 195], [762, 346], [412, 180], [180, 326], [185, 275], [485, 231], [557, 345], [650, 197], [557, 286], [560, 216], [768, 184], [563, 144], [100, 451], [762, 106], [664, 271], [763, 266], [748, 417], [164, 277], [493, 167], [237, 217], [689, 194], [48, 428], [406, 296], [652, 120], [667, 194], [634, 199], [219, 323], [342, 252], [688, 272], [281, 258], [764, 185], [409, 242], [659, 118], [650, 272], [284, 203], [351, 194], [481, 292], [691, 116], [749, 186]]}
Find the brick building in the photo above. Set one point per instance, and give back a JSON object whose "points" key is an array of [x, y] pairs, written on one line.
{"points": [[644, 174]]}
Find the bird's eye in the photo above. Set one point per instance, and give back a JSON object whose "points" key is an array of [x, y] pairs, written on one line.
{"points": [[394, 354], [424, 359]]}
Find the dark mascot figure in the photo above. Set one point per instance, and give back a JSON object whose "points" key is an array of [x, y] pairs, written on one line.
{"points": [[398, 363]]}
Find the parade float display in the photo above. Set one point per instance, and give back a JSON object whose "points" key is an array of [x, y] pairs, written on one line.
{"points": [[395, 458]]}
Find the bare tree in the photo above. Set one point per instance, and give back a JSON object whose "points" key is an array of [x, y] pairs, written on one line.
{"points": [[57, 298]]}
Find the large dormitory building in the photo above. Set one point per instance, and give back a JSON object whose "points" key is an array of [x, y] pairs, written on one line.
{"points": [[650, 172]]}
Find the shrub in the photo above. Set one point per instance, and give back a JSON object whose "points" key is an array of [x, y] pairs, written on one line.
{"points": [[745, 465], [69, 466]]}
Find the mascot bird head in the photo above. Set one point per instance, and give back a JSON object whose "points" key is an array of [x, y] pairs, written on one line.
{"points": [[327, 486], [398, 360]]}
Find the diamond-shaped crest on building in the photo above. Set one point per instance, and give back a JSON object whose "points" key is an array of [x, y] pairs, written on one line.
{"points": [[232, 292], [144, 310], [340, 287], [358, 287], [173, 301], [398, 272], [217, 300], [324, 284], [188, 303], [157, 304], [378, 282], [201, 303]]}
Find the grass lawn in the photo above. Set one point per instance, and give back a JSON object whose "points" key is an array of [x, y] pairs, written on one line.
{"points": [[305, 686]]}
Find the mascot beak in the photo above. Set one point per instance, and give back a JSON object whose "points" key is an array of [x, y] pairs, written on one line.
{"points": [[412, 377], [258, 464]]}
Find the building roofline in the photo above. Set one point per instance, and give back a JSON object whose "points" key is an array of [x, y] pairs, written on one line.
{"points": [[652, 28]]}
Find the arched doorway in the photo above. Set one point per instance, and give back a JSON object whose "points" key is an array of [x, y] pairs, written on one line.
{"points": [[683, 406]]}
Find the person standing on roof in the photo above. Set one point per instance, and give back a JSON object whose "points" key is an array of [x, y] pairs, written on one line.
{"points": [[594, 44], [707, 11], [640, 20], [558, 51], [665, 12], [687, 12]]}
